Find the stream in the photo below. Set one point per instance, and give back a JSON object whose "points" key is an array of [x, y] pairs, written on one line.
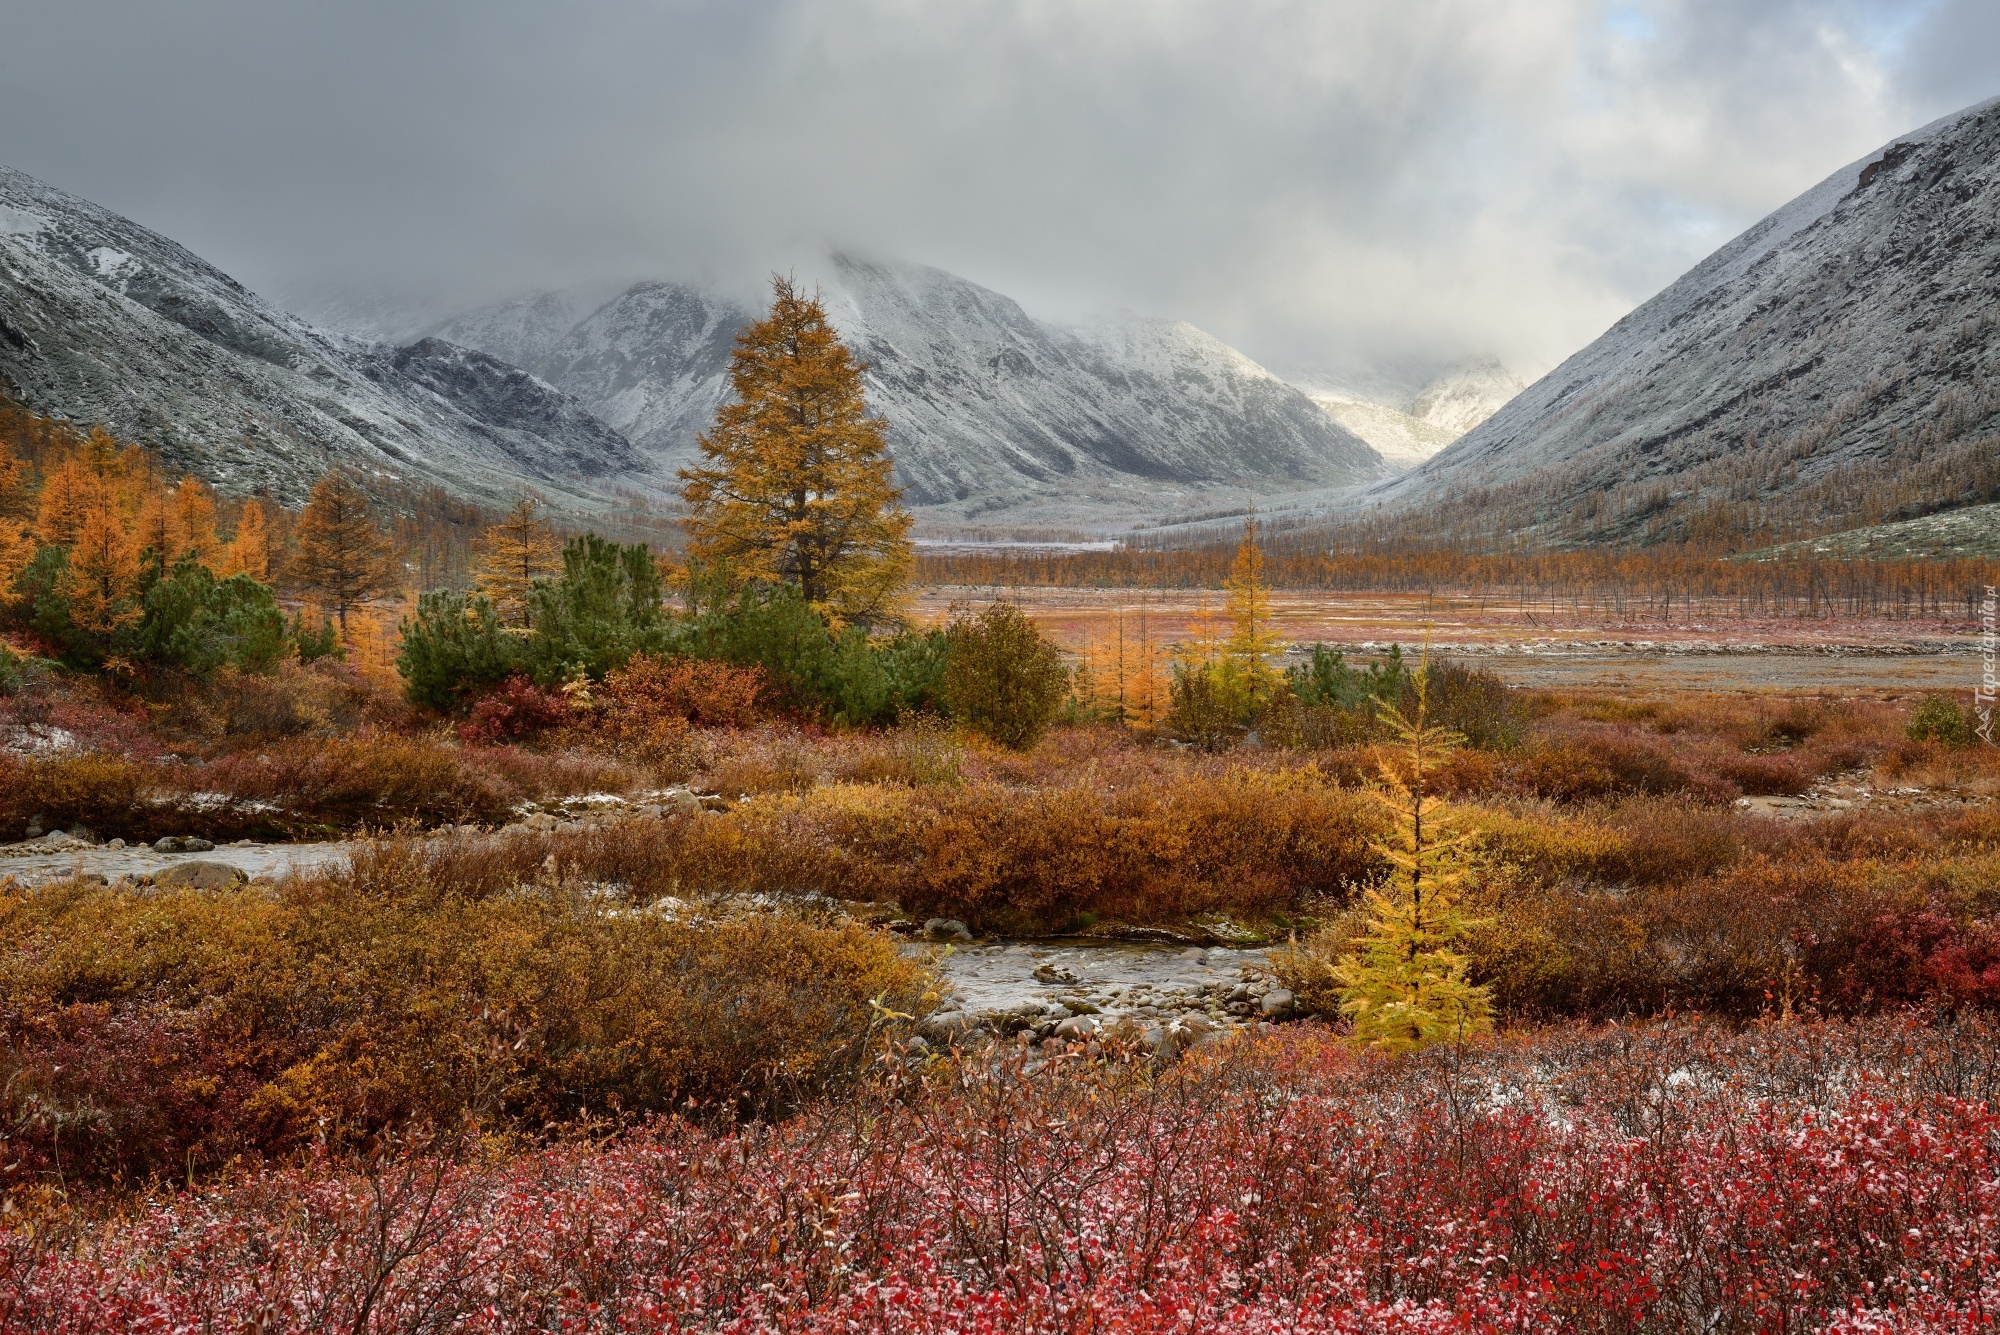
{"points": [[1057, 988]]}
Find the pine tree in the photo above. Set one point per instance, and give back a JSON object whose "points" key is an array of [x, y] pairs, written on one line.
{"points": [[1252, 646], [343, 556], [796, 485], [249, 552], [513, 554], [1405, 985]]}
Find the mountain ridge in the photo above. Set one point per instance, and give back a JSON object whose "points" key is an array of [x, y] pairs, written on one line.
{"points": [[1849, 330], [103, 320]]}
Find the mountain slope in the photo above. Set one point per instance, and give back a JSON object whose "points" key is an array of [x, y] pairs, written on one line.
{"points": [[102, 320], [990, 411], [1846, 340]]}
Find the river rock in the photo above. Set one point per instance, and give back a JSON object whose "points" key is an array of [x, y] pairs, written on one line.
{"points": [[946, 929], [200, 876], [1277, 1001]]}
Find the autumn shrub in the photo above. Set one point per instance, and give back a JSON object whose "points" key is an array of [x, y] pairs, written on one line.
{"points": [[1587, 762], [105, 794], [516, 709], [1761, 934], [374, 780], [1664, 1178], [1938, 718], [1205, 713], [148, 1034], [701, 692], [1002, 677]]}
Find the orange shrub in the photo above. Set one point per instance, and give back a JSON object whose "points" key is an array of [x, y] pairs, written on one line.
{"points": [[374, 780], [103, 793], [697, 690], [169, 1033]]}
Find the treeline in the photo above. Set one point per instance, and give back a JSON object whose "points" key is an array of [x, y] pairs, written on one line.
{"points": [[1641, 583]]}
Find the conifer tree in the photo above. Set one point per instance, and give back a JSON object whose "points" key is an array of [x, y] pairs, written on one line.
{"points": [[1252, 646], [1405, 985], [343, 556], [101, 578], [796, 482], [153, 527], [513, 554], [68, 495], [191, 521], [249, 552]]}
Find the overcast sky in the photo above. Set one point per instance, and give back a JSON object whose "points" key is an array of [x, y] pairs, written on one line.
{"points": [[1320, 182]]}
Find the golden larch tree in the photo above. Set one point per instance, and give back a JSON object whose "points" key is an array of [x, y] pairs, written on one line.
{"points": [[1405, 985], [796, 482], [1252, 646], [343, 555], [191, 521], [513, 554], [249, 552], [68, 495], [101, 579]]}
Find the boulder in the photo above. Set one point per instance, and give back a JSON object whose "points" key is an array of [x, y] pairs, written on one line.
{"points": [[200, 875], [1079, 1026], [1277, 1001], [946, 929]]}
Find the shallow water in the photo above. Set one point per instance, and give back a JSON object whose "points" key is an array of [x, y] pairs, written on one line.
{"points": [[272, 861]]}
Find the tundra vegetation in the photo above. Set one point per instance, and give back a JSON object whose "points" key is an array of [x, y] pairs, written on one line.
{"points": [[1598, 1027]]}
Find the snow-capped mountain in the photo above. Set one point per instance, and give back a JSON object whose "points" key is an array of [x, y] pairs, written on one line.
{"points": [[1845, 329], [1461, 399], [105, 321], [990, 411], [653, 361], [1409, 426]]}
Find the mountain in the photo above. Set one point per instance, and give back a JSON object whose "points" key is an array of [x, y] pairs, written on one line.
{"points": [[1409, 426], [1840, 356], [993, 416], [1403, 440], [1461, 399], [105, 321]]}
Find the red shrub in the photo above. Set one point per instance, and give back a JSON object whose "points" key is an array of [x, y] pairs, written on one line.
{"points": [[1672, 1181], [517, 709]]}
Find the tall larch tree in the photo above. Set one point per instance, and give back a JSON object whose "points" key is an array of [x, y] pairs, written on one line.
{"points": [[68, 494], [249, 552], [796, 482], [1252, 646], [513, 554], [101, 578], [343, 555], [191, 521]]}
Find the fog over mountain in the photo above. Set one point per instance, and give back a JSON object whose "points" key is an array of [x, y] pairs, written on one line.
{"points": [[1854, 332], [993, 416]]}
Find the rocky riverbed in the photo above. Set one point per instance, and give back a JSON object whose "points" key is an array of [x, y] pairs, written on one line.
{"points": [[1168, 996], [1165, 996]]}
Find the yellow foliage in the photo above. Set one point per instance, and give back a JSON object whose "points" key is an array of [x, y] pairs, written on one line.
{"points": [[796, 480], [513, 554], [249, 552]]}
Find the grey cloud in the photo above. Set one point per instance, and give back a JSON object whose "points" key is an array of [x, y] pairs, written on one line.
{"points": [[1320, 183]]}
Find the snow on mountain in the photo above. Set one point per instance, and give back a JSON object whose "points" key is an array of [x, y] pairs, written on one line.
{"points": [[105, 321], [1410, 415], [1855, 320], [1402, 440], [990, 411], [653, 361], [1460, 400]]}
